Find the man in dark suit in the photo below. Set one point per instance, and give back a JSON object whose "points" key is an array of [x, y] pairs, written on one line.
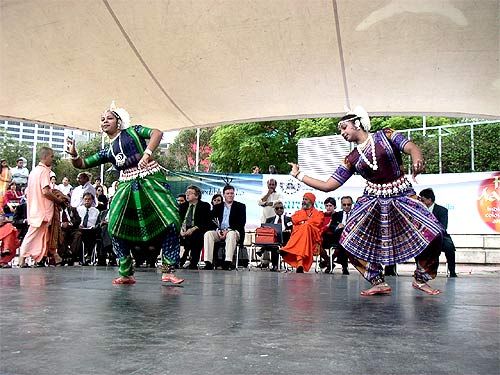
{"points": [[231, 218], [286, 230], [196, 220], [428, 198], [337, 225], [71, 235]]}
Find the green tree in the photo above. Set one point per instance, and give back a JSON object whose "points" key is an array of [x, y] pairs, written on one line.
{"points": [[316, 127], [486, 138], [236, 148], [181, 155], [12, 150]]}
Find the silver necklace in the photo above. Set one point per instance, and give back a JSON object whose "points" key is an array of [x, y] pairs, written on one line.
{"points": [[120, 158]]}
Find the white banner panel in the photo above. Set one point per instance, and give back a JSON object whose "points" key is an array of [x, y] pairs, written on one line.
{"points": [[472, 199]]}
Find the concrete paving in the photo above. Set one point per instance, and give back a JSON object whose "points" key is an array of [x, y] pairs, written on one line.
{"points": [[73, 321]]}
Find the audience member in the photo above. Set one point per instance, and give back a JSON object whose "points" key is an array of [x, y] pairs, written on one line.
{"points": [[20, 174], [441, 213], [84, 186], [216, 199], [286, 229], [5, 178], [339, 220], [145, 252], [327, 233], [181, 198], [11, 199], [55, 232], [230, 219], [40, 209], [255, 169], [53, 182], [65, 186], [272, 169], [20, 220], [112, 189], [267, 201], [98, 183], [305, 240], [106, 249], [88, 226], [69, 248], [102, 200], [9, 242], [196, 220]]}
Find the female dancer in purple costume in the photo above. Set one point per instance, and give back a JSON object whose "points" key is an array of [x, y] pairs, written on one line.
{"points": [[388, 224]]}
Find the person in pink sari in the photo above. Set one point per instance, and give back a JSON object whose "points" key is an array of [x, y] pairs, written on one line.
{"points": [[40, 209]]}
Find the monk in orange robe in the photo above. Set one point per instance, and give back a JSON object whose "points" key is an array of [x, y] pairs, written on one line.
{"points": [[306, 235]]}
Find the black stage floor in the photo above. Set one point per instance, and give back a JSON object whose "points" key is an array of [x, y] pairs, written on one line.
{"points": [[73, 321]]}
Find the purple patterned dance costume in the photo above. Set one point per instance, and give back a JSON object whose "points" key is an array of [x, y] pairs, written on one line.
{"points": [[388, 224]]}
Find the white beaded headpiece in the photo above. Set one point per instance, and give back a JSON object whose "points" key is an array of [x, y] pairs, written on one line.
{"points": [[121, 114], [361, 118]]}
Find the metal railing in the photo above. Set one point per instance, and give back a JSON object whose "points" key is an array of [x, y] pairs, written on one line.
{"points": [[442, 131]]}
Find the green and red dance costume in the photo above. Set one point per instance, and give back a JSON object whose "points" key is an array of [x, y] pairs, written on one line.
{"points": [[143, 209]]}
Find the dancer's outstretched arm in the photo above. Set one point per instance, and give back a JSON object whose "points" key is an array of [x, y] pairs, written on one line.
{"points": [[328, 185]]}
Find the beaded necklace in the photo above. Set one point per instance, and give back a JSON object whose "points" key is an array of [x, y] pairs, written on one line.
{"points": [[360, 148], [120, 157]]}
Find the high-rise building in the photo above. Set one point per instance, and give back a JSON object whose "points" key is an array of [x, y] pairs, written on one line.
{"points": [[33, 133]]}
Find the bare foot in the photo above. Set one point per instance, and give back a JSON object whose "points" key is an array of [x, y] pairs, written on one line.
{"points": [[383, 288], [424, 287]]}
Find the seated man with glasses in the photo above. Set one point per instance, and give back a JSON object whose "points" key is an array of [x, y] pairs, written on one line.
{"points": [[196, 220], [286, 230]]}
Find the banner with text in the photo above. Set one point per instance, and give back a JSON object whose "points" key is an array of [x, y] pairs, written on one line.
{"points": [[472, 199]]}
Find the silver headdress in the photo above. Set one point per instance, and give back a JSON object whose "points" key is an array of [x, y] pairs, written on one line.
{"points": [[121, 114]]}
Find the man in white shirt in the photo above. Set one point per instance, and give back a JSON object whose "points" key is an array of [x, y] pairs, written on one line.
{"points": [[286, 231], [267, 201], [88, 226], [231, 218], [20, 174], [65, 187], [84, 186]]}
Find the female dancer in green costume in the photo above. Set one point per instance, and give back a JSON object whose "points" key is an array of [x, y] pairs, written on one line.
{"points": [[143, 209]]}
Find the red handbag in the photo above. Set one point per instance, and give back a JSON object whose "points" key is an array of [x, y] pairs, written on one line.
{"points": [[265, 235]]}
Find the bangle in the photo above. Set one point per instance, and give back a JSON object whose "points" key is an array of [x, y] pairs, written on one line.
{"points": [[148, 151], [300, 176]]}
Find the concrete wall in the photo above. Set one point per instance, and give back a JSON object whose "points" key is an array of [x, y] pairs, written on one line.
{"points": [[476, 249]]}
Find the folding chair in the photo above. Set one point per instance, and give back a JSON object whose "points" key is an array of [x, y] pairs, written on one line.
{"points": [[330, 252], [278, 244]]}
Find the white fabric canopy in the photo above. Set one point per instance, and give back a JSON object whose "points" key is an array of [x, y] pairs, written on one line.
{"points": [[176, 64]]}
